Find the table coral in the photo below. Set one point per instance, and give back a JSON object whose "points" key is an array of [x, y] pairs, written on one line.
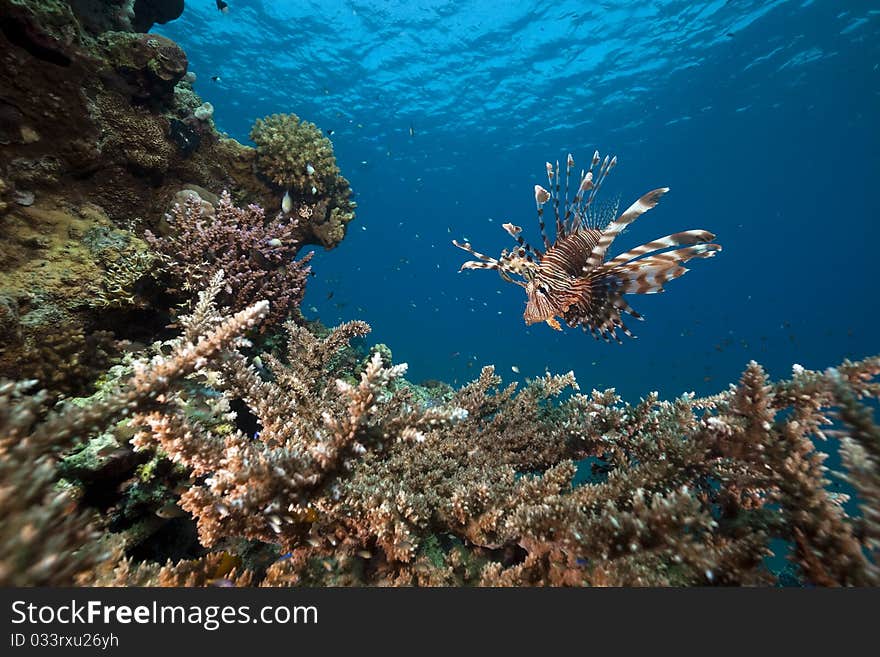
{"points": [[365, 484]]}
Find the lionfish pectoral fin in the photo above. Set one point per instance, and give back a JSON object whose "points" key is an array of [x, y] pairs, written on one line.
{"points": [[684, 238], [633, 212], [648, 275], [473, 264]]}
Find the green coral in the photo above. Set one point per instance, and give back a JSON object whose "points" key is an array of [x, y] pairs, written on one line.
{"points": [[293, 155], [287, 147]]}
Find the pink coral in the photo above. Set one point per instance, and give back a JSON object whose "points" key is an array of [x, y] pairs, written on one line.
{"points": [[256, 254]]}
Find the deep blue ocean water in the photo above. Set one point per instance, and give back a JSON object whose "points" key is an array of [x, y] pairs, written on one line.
{"points": [[762, 117]]}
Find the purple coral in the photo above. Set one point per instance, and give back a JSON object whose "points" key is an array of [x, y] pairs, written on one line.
{"points": [[257, 255]]}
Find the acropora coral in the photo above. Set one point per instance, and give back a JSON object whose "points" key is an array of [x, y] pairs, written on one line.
{"points": [[315, 462], [45, 538], [256, 254], [349, 478]]}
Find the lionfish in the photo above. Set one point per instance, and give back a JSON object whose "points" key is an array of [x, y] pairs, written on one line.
{"points": [[570, 277]]}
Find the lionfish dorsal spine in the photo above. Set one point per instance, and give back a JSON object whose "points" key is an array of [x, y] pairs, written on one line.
{"points": [[569, 165], [541, 197], [560, 231], [574, 211], [607, 165]]}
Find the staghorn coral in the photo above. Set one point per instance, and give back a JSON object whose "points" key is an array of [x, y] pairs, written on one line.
{"points": [[295, 156], [45, 539], [354, 478], [256, 254], [363, 484]]}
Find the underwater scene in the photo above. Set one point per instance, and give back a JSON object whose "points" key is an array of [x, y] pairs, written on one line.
{"points": [[348, 293]]}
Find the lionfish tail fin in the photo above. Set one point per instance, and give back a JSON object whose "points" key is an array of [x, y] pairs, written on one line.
{"points": [[633, 212], [649, 274]]}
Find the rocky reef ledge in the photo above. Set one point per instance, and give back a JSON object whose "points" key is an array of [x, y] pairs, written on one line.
{"points": [[101, 133]]}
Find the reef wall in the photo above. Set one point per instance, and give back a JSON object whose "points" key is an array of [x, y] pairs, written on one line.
{"points": [[101, 133]]}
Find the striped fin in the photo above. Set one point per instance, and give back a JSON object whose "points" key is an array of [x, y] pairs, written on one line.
{"points": [[467, 247], [541, 197], [683, 238], [500, 266], [614, 229], [650, 274], [516, 233]]}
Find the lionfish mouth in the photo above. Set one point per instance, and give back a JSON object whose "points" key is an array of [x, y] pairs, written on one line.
{"points": [[535, 313], [570, 277]]}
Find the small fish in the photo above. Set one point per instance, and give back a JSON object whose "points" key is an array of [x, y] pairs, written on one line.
{"points": [[287, 202], [314, 190], [223, 6], [514, 369], [215, 78], [170, 510], [329, 295], [330, 132], [412, 130], [310, 169]]}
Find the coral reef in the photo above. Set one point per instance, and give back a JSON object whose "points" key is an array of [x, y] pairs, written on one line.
{"points": [[295, 156], [44, 537], [256, 255], [345, 474], [61, 265], [206, 460], [102, 130]]}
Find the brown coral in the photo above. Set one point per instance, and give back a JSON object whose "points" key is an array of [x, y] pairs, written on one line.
{"points": [[45, 539], [256, 254], [295, 156]]}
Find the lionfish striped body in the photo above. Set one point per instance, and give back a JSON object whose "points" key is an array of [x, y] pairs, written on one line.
{"points": [[570, 277]]}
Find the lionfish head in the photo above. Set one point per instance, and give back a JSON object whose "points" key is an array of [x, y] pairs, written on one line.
{"points": [[538, 306]]}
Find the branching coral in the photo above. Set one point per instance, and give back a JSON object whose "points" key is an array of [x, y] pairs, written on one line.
{"points": [[364, 484], [294, 154], [351, 478], [309, 431], [45, 539], [256, 254]]}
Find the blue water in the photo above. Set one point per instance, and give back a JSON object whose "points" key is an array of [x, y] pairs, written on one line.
{"points": [[761, 117]]}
